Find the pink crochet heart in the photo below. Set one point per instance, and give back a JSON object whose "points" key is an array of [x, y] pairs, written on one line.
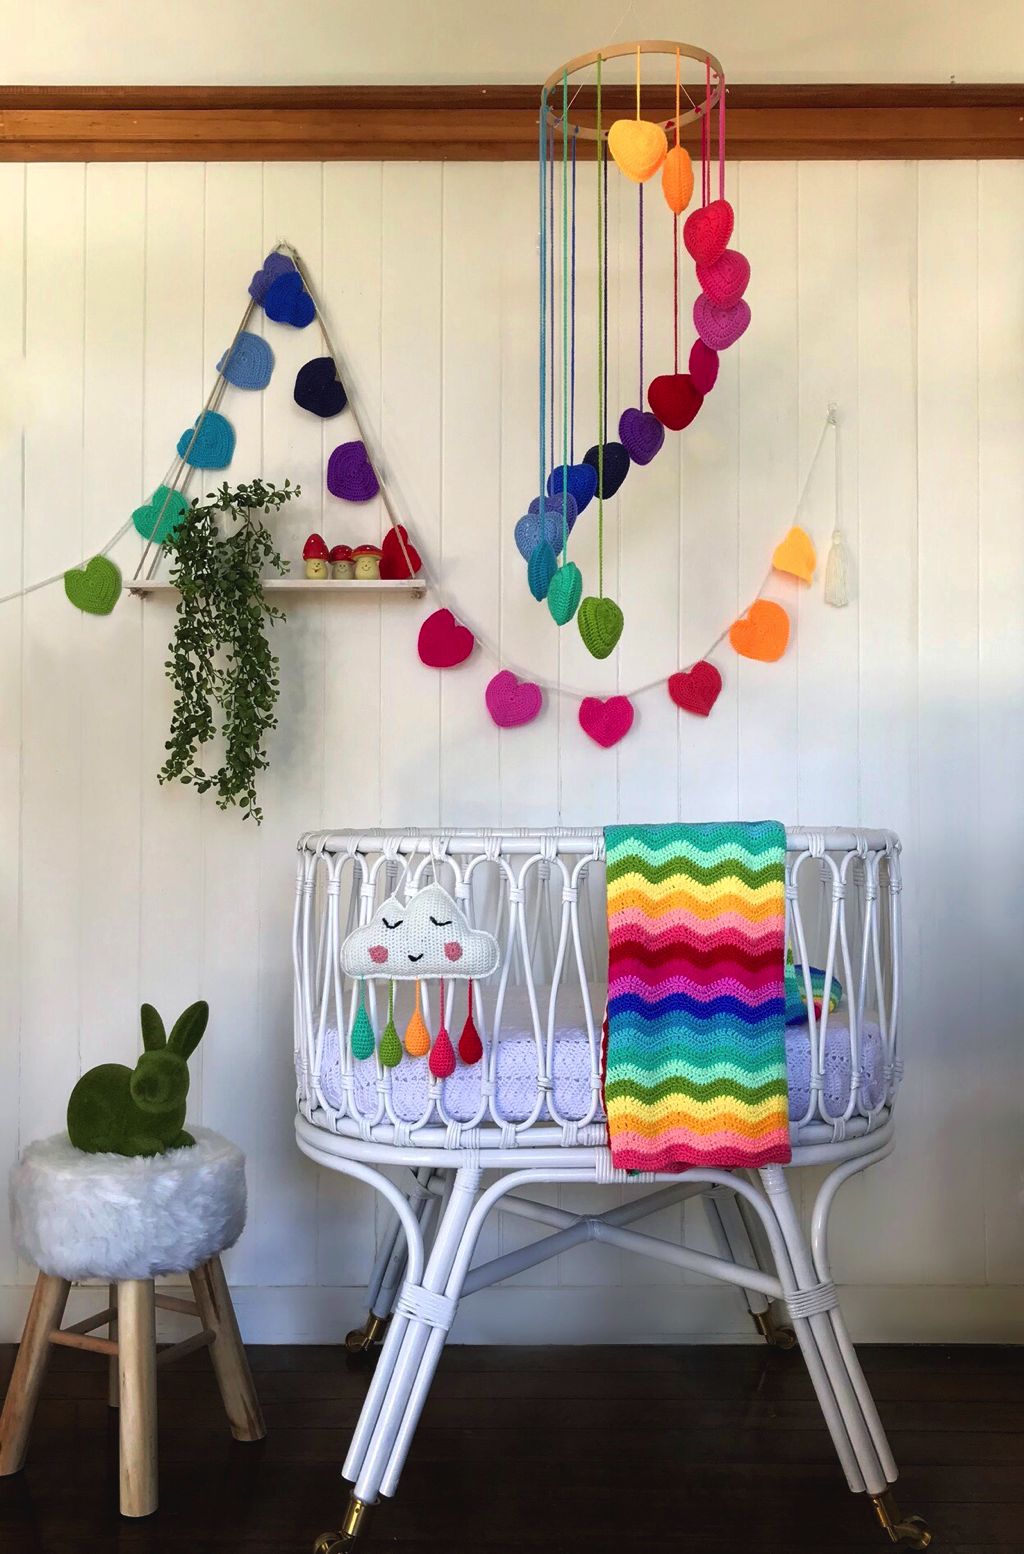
{"points": [[512, 702], [706, 232], [606, 721], [725, 281], [703, 366], [720, 327], [443, 643]]}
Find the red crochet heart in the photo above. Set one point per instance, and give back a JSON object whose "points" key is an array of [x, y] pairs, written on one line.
{"points": [[442, 642], [696, 690], [706, 232], [392, 557], [703, 365], [675, 400], [606, 721]]}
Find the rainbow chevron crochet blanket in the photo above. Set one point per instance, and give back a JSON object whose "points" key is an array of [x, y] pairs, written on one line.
{"points": [[695, 1059]]}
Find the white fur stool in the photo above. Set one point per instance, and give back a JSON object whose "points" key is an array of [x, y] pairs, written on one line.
{"points": [[128, 1220]]}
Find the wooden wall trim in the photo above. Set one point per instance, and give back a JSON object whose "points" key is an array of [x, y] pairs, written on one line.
{"points": [[482, 123]]}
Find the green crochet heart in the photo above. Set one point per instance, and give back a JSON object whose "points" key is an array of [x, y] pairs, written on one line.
{"points": [[564, 592], [161, 515], [94, 588], [390, 1046], [600, 622], [362, 1035]]}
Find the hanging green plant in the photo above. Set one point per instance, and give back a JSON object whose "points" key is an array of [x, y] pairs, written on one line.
{"points": [[220, 663]]}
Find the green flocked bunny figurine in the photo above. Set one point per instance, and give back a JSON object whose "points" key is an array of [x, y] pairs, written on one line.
{"points": [[140, 1111]]}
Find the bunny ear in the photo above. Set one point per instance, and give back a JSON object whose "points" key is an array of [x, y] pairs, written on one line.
{"points": [[188, 1028], [154, 1037]]}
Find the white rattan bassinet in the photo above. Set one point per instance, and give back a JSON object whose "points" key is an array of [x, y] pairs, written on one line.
{"points": [[531, 1111]]}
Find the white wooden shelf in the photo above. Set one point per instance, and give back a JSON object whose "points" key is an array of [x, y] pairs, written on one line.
{"points": [[409, 587]]}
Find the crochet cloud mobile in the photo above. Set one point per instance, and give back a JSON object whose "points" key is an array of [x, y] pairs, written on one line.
{"points": [[428, 936]]}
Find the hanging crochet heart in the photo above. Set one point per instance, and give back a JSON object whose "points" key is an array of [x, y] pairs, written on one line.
{"points": [[398, 554], [417, 1037], [762, 633], [555, 504], [512, 702], [442, 642], [209, 444], [350, 475], [442, 1055], [696, 690], [287, 301], [720, 327], [390, 1048], [94, 588], [362, 1039], [615, 467], [703, 366], [675, 400], [796, 555], [600, 621], [606, 721], [582, 483], [273, 265], [471, 1048], [540, 569], [532, 528], [706, 232], [677, 179], [724, 281], [318, 388], [249, 362], [638, 147], [160, 516], [642, 434], [564, 593]]}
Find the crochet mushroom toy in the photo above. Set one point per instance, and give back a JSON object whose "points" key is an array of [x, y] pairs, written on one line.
{"points": [[341, 562], [367, 562], [315, 554]]}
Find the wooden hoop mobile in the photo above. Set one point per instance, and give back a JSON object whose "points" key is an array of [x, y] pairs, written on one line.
{"points": [[631, 50]]}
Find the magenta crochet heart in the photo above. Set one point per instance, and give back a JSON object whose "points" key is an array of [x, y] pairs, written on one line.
{"points": [[606, 721], [512, 702], [706, 232], [350, 474], [703, 366], [720, 327], [725, 281], [442, 642], [641, 434]]}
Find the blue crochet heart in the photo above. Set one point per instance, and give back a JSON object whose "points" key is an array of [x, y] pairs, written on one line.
{"points": [[554, 504], [318, 389], [614, 463], [211, 445], [288, 302], [531, 528], [273, 265], [249, 362], [541, 569], [582, 483]]}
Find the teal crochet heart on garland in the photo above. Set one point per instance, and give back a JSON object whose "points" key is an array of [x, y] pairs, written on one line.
{"points": [[600, 622], [564, 593], [94, 588], [161, 515], [210, 444]]}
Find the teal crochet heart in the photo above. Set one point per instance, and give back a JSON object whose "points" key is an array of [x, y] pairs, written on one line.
{"points": [[362, 1035], [161, 515], [210, 445], [94, 588], [541, 569], [564, 593], [600, 622]]}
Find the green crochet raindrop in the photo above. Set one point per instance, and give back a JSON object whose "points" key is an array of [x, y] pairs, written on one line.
{"points": [[362, 1035], [390, 1046]]}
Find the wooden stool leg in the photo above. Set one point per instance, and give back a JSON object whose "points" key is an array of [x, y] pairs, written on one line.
{"points": [[136, 1362], [230, 1363], [44, 1314], [113, 1379]]}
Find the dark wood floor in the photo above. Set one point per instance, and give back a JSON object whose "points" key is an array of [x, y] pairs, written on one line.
{"points": [[569, 1450]]}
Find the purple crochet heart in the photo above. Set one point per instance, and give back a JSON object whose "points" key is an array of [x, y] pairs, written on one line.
{"points": [[641, 434], [350, 474], [273, 266], [529, 531], [288, 302]]}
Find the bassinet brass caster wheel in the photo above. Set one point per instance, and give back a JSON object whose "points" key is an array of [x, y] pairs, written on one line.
{"points": [[356, 1513], [908, 1532], [362, 1339], [774, 1333]]}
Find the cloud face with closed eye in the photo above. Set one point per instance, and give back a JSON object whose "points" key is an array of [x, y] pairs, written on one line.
{"points": [[428, 936]]}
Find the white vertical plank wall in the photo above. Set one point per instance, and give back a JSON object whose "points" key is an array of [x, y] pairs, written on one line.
{"points": [[890, 288]]}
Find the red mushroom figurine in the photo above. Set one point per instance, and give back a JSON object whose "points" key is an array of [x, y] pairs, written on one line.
{"points": [[315, 554], [367, 562], [341, 562]]}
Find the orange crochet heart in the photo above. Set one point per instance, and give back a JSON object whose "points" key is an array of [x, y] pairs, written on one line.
{"points": [[677, 179], [762, 633], [796, 555], [638, 147]]}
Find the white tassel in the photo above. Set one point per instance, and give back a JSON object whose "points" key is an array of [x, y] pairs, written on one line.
{"points": [[837, 572]]}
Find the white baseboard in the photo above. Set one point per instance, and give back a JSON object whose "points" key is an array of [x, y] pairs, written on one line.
{"points": [[518, 1314]]}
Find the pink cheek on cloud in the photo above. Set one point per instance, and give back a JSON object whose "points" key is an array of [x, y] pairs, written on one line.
{"points": [[453, 949], [378, 953]]}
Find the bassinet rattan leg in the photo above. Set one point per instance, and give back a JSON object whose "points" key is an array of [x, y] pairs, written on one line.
{"points": [[388, 1273], [729, 1229]]}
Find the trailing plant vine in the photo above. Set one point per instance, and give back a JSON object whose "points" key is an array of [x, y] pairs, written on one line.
{"points": [[221, 664]]}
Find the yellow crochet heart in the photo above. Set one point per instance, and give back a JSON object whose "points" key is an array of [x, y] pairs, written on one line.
{"points": [[638, 146], [796, 555]]}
